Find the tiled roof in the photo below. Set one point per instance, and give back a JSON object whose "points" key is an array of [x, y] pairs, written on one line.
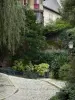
{"points": [[52, 5]]}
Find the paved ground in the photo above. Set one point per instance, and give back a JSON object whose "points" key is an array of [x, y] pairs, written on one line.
{"points": [[30, 89], [6, 87]]}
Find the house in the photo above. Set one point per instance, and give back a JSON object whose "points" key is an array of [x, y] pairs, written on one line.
{"points": [[51, 10], [45, 10], [37, 7]]}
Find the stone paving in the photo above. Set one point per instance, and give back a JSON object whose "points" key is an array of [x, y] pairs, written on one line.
{"points": [[6, 87], [31, 89], [56, 83], [16, 88]]}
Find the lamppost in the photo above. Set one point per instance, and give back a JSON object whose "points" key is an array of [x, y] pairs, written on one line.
{"points": [[70, 45]]}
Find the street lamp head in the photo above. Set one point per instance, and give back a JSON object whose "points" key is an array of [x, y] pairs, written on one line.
{"points": [[70, 45]]}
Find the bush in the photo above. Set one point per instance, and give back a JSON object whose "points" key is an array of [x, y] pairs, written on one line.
{"points": [[54, 59], [18, 65], [57, 62], [64, 71], [66, 36], [45, 58], [71, 75], [42, 68], [30, 70], [68, 93], [56, 27], [55, 98]]}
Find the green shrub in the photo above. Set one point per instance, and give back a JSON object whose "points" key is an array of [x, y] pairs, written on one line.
{"points": [[57, 62], [68, 93], [44, 58], [71, 75], [64, 71], [42, 68], [29, 67], [18, 65], [56, 27], [54, 59], [55, 98], [66, 36]]}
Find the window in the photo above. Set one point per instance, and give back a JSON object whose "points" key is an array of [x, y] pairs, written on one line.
{"points": [[39, 17]]}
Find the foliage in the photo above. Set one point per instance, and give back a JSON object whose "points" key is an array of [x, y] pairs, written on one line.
{"points": [[68, 11], [66, 36], [64, 71], [34, 35], [56, 44], [18, 65], [55, 60], [52, 32], [56, 27], [11, 21], [42, 68], [71, 75], [68, 93], [44, 58], [30, 69], [58, 61], [55, 98], [34, 40]]}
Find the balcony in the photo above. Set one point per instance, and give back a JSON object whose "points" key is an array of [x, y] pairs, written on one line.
{"points": [[36, 6]]}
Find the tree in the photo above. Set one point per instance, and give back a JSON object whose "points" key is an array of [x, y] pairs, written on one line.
{"points": [[68, 11], [11, 21], [34, 40]]}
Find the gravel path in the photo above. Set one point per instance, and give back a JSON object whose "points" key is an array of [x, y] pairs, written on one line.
{"points": [[31, 89]]}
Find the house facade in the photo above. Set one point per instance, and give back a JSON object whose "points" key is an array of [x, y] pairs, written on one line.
{"points": [[45, 10], [37, 7], [51, 10]]}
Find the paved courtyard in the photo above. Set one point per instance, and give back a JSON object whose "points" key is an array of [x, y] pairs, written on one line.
{"points": [[28, 89], [31, 89], [6, 87]]}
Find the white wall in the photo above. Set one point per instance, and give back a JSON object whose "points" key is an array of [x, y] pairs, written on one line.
{"points": [[49, 16], [59, 1]]}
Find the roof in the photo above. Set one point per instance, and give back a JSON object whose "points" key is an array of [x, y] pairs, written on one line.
{"points": [[52, 5]]}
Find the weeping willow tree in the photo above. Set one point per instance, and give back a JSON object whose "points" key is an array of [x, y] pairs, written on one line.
{"points": [[12, 21]]}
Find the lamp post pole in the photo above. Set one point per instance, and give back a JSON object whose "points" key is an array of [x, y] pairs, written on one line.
{"points": [[70, 45]]}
